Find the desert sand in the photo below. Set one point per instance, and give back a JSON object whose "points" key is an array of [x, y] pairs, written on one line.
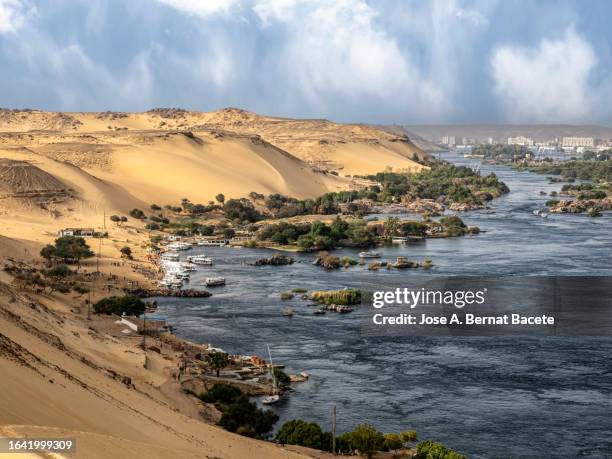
{"points": [[64, 374]]}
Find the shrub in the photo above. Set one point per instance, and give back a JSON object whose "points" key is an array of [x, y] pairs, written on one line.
{"points": [[217, 361], [392, 441], [68, 249], [130, 304], [408, 436], [155, 208], [241, 209], [286, 295], [221, 393], [343, 297], [58, 271], [126, 252], [429, 449], [367, 440], [138, 214]]}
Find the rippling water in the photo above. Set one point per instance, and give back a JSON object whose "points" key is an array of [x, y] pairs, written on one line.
{"points": [[485, 397]]}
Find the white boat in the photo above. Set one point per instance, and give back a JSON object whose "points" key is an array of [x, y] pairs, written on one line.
{"points": [[288, 312], [170, 256], [188, 267], [179, 246], [212, 243], [200, 260], [274, 397], [369, 255], [214, 281]]}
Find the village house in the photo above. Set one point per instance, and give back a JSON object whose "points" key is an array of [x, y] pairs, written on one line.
{"points": [[82, 232]]}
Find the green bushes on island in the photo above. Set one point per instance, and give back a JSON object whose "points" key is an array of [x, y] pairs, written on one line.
{"points": [[342, 297], [275, 260], [131, 305], [328, 261], [239, 414]]}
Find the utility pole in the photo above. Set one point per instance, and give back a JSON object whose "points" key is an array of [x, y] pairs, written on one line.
{"points": [[89, 303], [144, 331], [98, 256], [334, 430]]}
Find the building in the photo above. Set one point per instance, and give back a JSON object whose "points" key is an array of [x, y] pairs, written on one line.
{"points": [[574, 142], [449, 140], [521, 141], [82, 232]]}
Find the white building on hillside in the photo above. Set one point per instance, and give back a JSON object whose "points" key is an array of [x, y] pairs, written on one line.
{"points": [[574, 142], [520, 140]]}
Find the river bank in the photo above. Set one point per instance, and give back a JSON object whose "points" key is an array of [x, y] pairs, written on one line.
{"points": [[499, 386]]}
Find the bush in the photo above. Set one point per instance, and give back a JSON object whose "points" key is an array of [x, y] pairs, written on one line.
{"points": [[343, 297], [429, 449], [130, 304], [392, 441], [241, 210], [152, 226], [126, 252], [221, 393], [238, 413], [367, 440], [138, 214], [286, 295], [155, 208], [298, 432], [68, 249], [58, 271], [408, 436]]}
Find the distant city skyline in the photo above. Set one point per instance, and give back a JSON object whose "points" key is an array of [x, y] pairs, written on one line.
{"points": [[372, 61]]}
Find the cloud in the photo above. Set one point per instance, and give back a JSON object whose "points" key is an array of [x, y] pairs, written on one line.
{"points": [[548, 82], [203, 8], [14, 14]]}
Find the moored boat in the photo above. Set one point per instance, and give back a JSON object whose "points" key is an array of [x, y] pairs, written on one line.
{"points": [[214, 281], [369, 254]]}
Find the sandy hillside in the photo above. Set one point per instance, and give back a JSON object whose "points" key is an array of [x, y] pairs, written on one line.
{"points": [[67, 379]]}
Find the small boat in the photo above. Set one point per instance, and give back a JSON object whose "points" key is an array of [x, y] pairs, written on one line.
{"points": [[369, 255], [200, 260], [343, 309], [214, 281], [288, 312], [188, 267], [274, 397], [170, 256], [319, 312], [304, 375]]}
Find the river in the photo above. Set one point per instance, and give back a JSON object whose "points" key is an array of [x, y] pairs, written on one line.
{"points": [[484, 397]]}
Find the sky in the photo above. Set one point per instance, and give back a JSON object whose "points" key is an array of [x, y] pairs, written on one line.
{"points": [[374, 61]]}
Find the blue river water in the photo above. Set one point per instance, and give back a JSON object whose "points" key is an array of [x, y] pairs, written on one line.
{"points": [[484, 397]]}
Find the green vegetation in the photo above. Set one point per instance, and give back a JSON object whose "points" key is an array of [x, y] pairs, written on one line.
{"points": [[130, 304], [69, 249], [367, 440], [502, 152], [408, 436], [299, 290], [456, 184], [328, 261], [308, 434], [597, 171], [239, 415], [275, 260], [126, 252], [430, 450], [241, 210], [217, 361], [118, 220], [138, 214], [286, 296], [342, 297]]}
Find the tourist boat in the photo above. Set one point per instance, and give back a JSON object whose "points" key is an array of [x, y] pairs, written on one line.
{"points": [[170, 256], [179, 246], [214, 281], [212, 243], [188, 267], [304, 375], [288, 312], [200, 260], [369, 255], [274, 397]]}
